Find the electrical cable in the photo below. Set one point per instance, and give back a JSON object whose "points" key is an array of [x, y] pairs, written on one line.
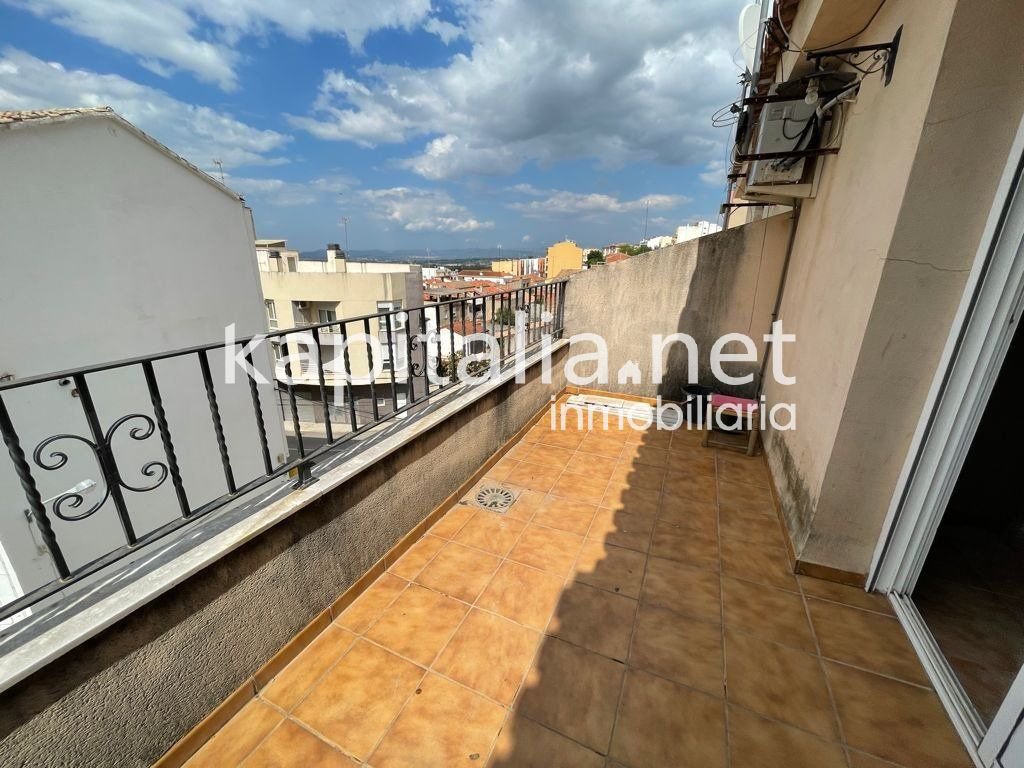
{"points": [[791, 120], [836, 129], [777, 18]]}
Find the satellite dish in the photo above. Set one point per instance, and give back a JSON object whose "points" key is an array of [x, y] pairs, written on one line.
{"points": [[750, 22]]}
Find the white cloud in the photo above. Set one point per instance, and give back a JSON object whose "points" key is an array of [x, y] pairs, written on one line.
{"points": [[618, 81], [529, 189], [421, 210], [527, 238], [714, 173], [447, 157], [447, 31], [560, 202], [201, 36], [279, 193], [367, 127], [198, 133]]}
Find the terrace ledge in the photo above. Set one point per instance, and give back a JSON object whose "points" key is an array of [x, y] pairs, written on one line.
{"points": [[53, 643]]}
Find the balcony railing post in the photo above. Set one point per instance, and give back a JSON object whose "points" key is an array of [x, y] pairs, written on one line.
{"points": [[165, 437], [391, 358], [437, 340], [28, 483], [451, 339], [304, 475], [348, 377], [294, 407], [545, 300], [369, 362], [410, 383], [560, 313], [493, 336], [105, 456], [462, 310], [261, 427], [424, 350], [323, 384], [218, 425], [549, 295], [531, 303]]}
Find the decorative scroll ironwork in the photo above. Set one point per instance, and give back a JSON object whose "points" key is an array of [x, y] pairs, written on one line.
{"points": [[425, 354], [414, 346], [74, 499]]}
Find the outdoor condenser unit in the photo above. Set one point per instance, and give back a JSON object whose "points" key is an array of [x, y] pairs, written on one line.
{"points": [[781, 129]]}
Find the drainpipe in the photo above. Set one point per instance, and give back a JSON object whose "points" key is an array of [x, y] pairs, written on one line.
{"points": [[778, 296]]}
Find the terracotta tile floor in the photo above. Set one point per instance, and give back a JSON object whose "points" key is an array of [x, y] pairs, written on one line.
{"points": [[633, 608]]}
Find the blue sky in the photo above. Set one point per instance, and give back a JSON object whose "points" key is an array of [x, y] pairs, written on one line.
{"points": [[428, 124]]}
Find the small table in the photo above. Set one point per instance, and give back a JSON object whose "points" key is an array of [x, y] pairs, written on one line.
{"points": [[745, 409]]}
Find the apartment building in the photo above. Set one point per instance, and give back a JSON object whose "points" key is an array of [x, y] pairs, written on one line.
{"points": [[695, 230], [564, 256], [174, 272], [493, 276], [302, 292], [519, 267]]}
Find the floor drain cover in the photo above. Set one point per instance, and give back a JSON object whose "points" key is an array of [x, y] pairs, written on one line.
{"points": [[495, 498]]}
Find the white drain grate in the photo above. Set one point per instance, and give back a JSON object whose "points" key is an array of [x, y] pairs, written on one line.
{"points": [[495, 498]]}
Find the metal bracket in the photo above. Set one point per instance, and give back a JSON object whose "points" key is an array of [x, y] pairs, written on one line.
{"points": [[790, 153], [725, 207], [304, 476], [891, 49]]}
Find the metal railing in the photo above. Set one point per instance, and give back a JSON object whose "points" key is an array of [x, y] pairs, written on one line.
{"points": [[539, 310]]}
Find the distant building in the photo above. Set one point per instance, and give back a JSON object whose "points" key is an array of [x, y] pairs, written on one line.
{"points": [[693, 231], [519, 267], [300, 292], [565, 256], [488, 275], [615, 256], [662, 241], [429, 273]]}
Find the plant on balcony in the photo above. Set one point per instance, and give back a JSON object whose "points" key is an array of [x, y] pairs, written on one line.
{"points": [[449, 366]]}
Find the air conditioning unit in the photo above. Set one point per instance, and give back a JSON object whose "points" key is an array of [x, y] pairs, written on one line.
{"points": [[782, 129]]}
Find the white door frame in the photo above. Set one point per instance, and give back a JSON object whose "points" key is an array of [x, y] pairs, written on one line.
{"points": [[980, 335], [1006, 721], [979, 338]]}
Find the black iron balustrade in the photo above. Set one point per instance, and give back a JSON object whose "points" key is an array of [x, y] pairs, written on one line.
{"points": [[518, 320]]}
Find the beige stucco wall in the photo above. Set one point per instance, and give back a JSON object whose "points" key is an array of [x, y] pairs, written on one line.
{"points": [[353, 294], [350, 294], [721, 283], [879, 263]]}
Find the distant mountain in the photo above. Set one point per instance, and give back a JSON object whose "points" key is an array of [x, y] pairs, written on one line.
{"points": [[419, 256]]}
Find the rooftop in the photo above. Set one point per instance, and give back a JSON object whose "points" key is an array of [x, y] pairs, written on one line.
{"points": [[482, 273], [635, 605], [24, 115], [31, 117]]}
